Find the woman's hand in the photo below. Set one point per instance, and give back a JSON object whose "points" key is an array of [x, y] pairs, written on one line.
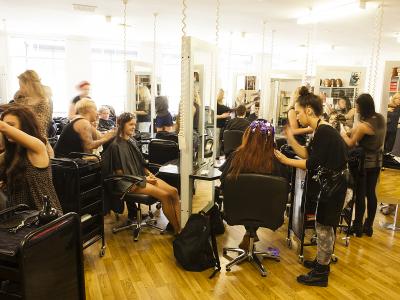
{"points": [[281, 157], [151, 179]]}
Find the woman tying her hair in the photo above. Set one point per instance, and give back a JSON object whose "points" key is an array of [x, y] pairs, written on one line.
{"points": [[124, 157], [25, 163], [254, 155], [326, 155]]}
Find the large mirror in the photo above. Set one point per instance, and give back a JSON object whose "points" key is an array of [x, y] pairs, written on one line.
{"points": [[140, 98]]}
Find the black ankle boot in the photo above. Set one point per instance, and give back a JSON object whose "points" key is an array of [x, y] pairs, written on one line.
{"points": [[316, 277], [367, 228], [310, 264], [356, 229]]}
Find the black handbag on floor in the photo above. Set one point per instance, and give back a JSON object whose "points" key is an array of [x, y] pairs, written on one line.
{"points": [[195, 248]]}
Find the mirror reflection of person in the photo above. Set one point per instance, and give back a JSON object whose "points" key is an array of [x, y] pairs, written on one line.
{"points": [[143, 109], [164, 120], [223, 115], [84, 90], [104, 122], [255, 115], [345, 108]]}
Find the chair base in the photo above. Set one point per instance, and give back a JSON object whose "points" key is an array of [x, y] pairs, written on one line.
{"points": [[250, 255], [147, 222]]}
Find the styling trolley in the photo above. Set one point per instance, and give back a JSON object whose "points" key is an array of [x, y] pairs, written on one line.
{"points": [[78, 183], [301, 213], [356, 167], [28, 270]]}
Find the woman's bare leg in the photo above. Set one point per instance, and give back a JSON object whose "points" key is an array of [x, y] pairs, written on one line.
{"points": [[166, 202], [173, 192]]}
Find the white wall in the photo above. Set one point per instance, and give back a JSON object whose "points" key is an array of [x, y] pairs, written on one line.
{"points": [[4, 90]]}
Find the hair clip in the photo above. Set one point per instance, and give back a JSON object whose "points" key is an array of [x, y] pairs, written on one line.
{"points": [[264, 126]]}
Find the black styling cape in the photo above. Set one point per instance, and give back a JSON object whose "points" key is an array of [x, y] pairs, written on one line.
{"points": [[121, 155]]}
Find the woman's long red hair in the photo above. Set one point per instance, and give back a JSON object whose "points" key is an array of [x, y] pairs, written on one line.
{"points": [[254, 155]]}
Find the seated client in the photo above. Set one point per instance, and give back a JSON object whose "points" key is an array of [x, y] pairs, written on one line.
{"points": [[254, 155], [124, 157], [80, 135], [238, 123]]}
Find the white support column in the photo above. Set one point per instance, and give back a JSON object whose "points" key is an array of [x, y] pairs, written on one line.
{"points": [[4, 96], [154, 75], [265, 77], [186, 129], [130, 102]]}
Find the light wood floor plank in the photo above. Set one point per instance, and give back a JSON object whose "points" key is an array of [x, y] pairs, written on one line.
{"points": [[368, 269]]}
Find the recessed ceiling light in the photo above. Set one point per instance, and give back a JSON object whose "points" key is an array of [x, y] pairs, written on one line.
{"points": [[84, 7]]}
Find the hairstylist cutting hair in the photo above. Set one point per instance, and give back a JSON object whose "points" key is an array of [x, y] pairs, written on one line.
{"points": [[326, 157]]}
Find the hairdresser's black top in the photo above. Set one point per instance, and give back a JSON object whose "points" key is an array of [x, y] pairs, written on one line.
{"points": [[327, 149], [69, 141]]}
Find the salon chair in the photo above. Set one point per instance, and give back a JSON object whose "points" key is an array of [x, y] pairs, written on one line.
{"points": [[253, 201], [162, 151], [232, 140], [111, 189], [165, 135]]}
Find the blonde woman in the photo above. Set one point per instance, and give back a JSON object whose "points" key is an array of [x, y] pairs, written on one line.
{"points": [[223, 115], [299, 131], [37, 97], [79, 135], [393, 115], [143, 109]]}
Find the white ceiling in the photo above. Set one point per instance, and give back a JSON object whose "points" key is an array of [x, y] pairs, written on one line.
{"points": [[351, 36]]}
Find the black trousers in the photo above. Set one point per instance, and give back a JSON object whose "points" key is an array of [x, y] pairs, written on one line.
{"points": [[366, 186], [390, 140]]}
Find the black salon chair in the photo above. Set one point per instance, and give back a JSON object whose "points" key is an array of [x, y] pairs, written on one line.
{"points": [[165, 135], [162, 151], [232, 140], [112, 186], [254, 201]]}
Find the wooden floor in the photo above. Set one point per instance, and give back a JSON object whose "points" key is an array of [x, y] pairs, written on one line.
{"points": [[368, 269]]}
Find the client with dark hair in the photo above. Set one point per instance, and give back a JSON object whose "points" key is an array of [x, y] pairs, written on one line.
{"points": [[239, 122], [254, 155], [124, 157], [326, 156], [25, 163]]}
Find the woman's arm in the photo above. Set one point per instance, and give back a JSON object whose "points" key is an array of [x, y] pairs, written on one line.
{"points": [[296, 163], [300, 150], [85, 131], [33, 144], [224, 116], [350, 114], [356, 135]]}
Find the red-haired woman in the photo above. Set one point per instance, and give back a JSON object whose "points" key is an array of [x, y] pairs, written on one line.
{"points": [[254, 155]]}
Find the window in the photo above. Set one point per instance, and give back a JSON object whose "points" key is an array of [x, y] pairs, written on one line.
{"points": [[109, 75], [47, 58]]}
